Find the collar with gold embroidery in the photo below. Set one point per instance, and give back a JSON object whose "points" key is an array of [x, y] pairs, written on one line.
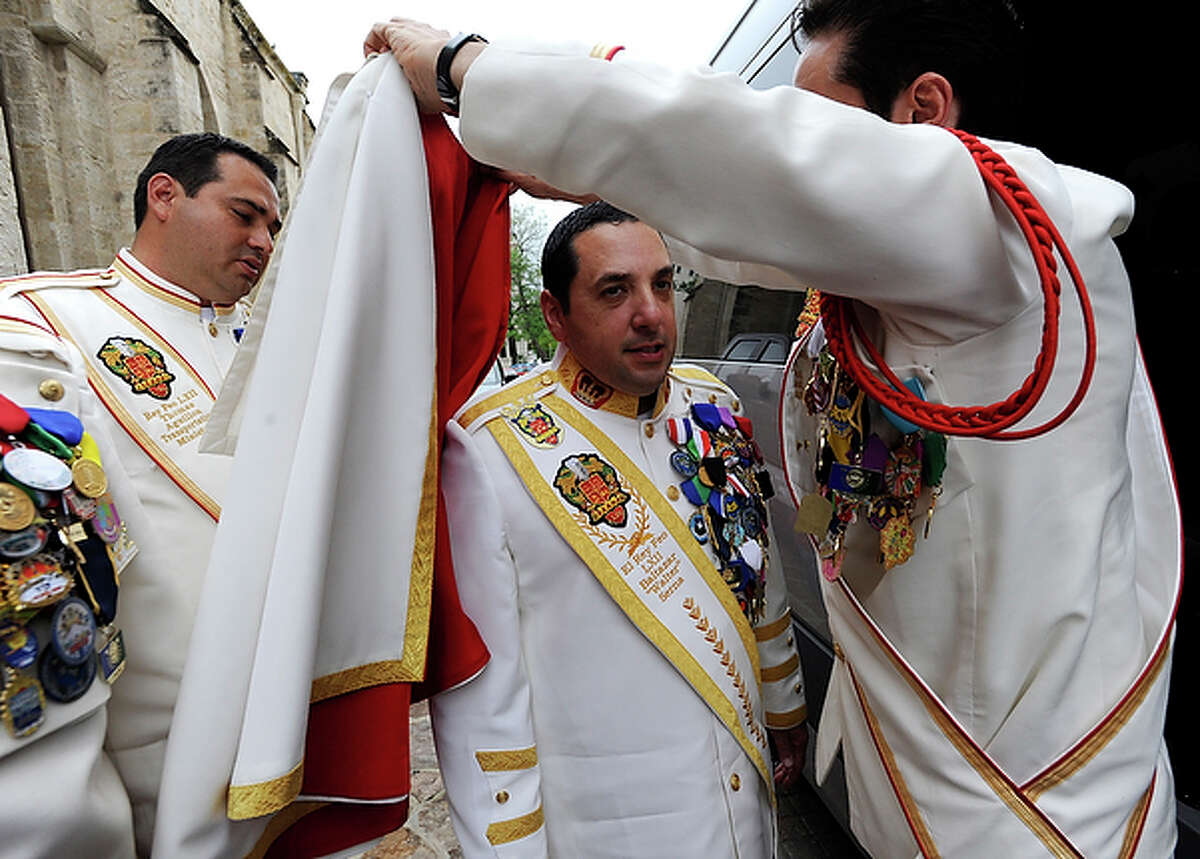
{"points": [[144, 279], [595, 394]]}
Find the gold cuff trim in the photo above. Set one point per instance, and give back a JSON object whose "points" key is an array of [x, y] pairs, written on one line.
{"points": [[773, 629], [790, 719], [508, 760], [247, 801], [778, 672], [280, 824], [505, 831]]}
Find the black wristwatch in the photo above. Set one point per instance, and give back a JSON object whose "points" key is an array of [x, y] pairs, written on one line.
{"points": [[445, 86]]}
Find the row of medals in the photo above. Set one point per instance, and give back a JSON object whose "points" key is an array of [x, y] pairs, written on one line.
{"points": [[859, 476], [716, 456], [57, 526]]}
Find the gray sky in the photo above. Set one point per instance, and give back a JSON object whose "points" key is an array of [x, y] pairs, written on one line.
{"points": [[324, 40]]}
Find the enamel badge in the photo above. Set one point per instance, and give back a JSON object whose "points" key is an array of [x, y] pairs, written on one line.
{"points": [[139, 365], [537, 426], [590, 484]]}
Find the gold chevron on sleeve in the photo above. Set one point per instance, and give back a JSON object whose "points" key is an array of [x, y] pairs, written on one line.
{"points": [[774, 628], [507, 760], [504, 831], [783, 669]]}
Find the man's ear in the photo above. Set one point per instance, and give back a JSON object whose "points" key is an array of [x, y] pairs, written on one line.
{"points": [[556, 318], [928, 99], [162, 192]]}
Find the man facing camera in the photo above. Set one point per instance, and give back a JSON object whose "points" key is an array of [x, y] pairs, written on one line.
{"points": [[608, 520]]}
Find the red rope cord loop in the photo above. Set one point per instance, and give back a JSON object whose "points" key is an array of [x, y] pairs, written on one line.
{"points": [[842, 328]]}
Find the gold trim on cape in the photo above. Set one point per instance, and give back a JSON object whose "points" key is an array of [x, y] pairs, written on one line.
{"points": [[247, 801]]}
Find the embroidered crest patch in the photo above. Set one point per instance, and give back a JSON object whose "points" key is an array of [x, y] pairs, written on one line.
{"points": [[139, 365], [538, 426], [590, 484], [590, 391]]}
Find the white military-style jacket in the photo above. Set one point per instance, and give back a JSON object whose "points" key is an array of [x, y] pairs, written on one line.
{"points": [[154, 356], [622, 712], [62, 794], [1001, 693]]}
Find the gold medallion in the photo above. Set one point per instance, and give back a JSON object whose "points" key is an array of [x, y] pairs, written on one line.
{"points": [[89, 478], [16, 508]]}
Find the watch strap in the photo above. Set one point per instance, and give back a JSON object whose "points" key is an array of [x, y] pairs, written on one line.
{"points": [[445, 85]]}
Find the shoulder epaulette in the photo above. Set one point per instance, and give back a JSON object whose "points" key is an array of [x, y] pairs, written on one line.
{"points": [[81, 279], [482, 407], [696, 375]]}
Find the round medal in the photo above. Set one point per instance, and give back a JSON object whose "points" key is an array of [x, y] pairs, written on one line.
{"points": [[65, 683], [698, 527], [73, 631], [37, 581], [16, 508], [22, 544], [37, 468], [683, 464], [20, 648], [89, 478]]}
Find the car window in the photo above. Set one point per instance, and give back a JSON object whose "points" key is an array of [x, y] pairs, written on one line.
{"points": [[775, 353], [743, 350]]}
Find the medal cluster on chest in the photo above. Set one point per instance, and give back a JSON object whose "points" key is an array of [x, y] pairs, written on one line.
{"points": [[877, 476], [721, 469], [62, 544]]}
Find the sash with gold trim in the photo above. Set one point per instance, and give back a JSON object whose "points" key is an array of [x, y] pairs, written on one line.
{"points": [[147, 385], [643, 555]]}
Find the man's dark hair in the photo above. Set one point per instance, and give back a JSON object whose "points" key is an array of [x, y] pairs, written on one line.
{"points": [[560, 263], [977, 45], [191, 159]]}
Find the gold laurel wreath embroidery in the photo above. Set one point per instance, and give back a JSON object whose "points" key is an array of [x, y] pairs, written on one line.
{"points": [[718, 645], [621, 542]]}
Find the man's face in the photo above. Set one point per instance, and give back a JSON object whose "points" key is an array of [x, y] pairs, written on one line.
{"points": [[621, 325], [221, 238]]}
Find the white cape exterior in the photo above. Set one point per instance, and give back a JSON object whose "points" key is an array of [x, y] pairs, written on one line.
{"points": [[327, 512]]}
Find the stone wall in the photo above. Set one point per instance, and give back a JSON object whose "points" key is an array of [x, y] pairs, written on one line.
{"points": [[89, 88]]}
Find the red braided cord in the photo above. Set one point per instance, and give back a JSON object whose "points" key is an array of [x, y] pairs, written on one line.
{"points": [[842, 326]]}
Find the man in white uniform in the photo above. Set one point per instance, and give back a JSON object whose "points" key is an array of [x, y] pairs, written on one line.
{"points": [[158, 330], [1000, 686], [608, 525]]}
